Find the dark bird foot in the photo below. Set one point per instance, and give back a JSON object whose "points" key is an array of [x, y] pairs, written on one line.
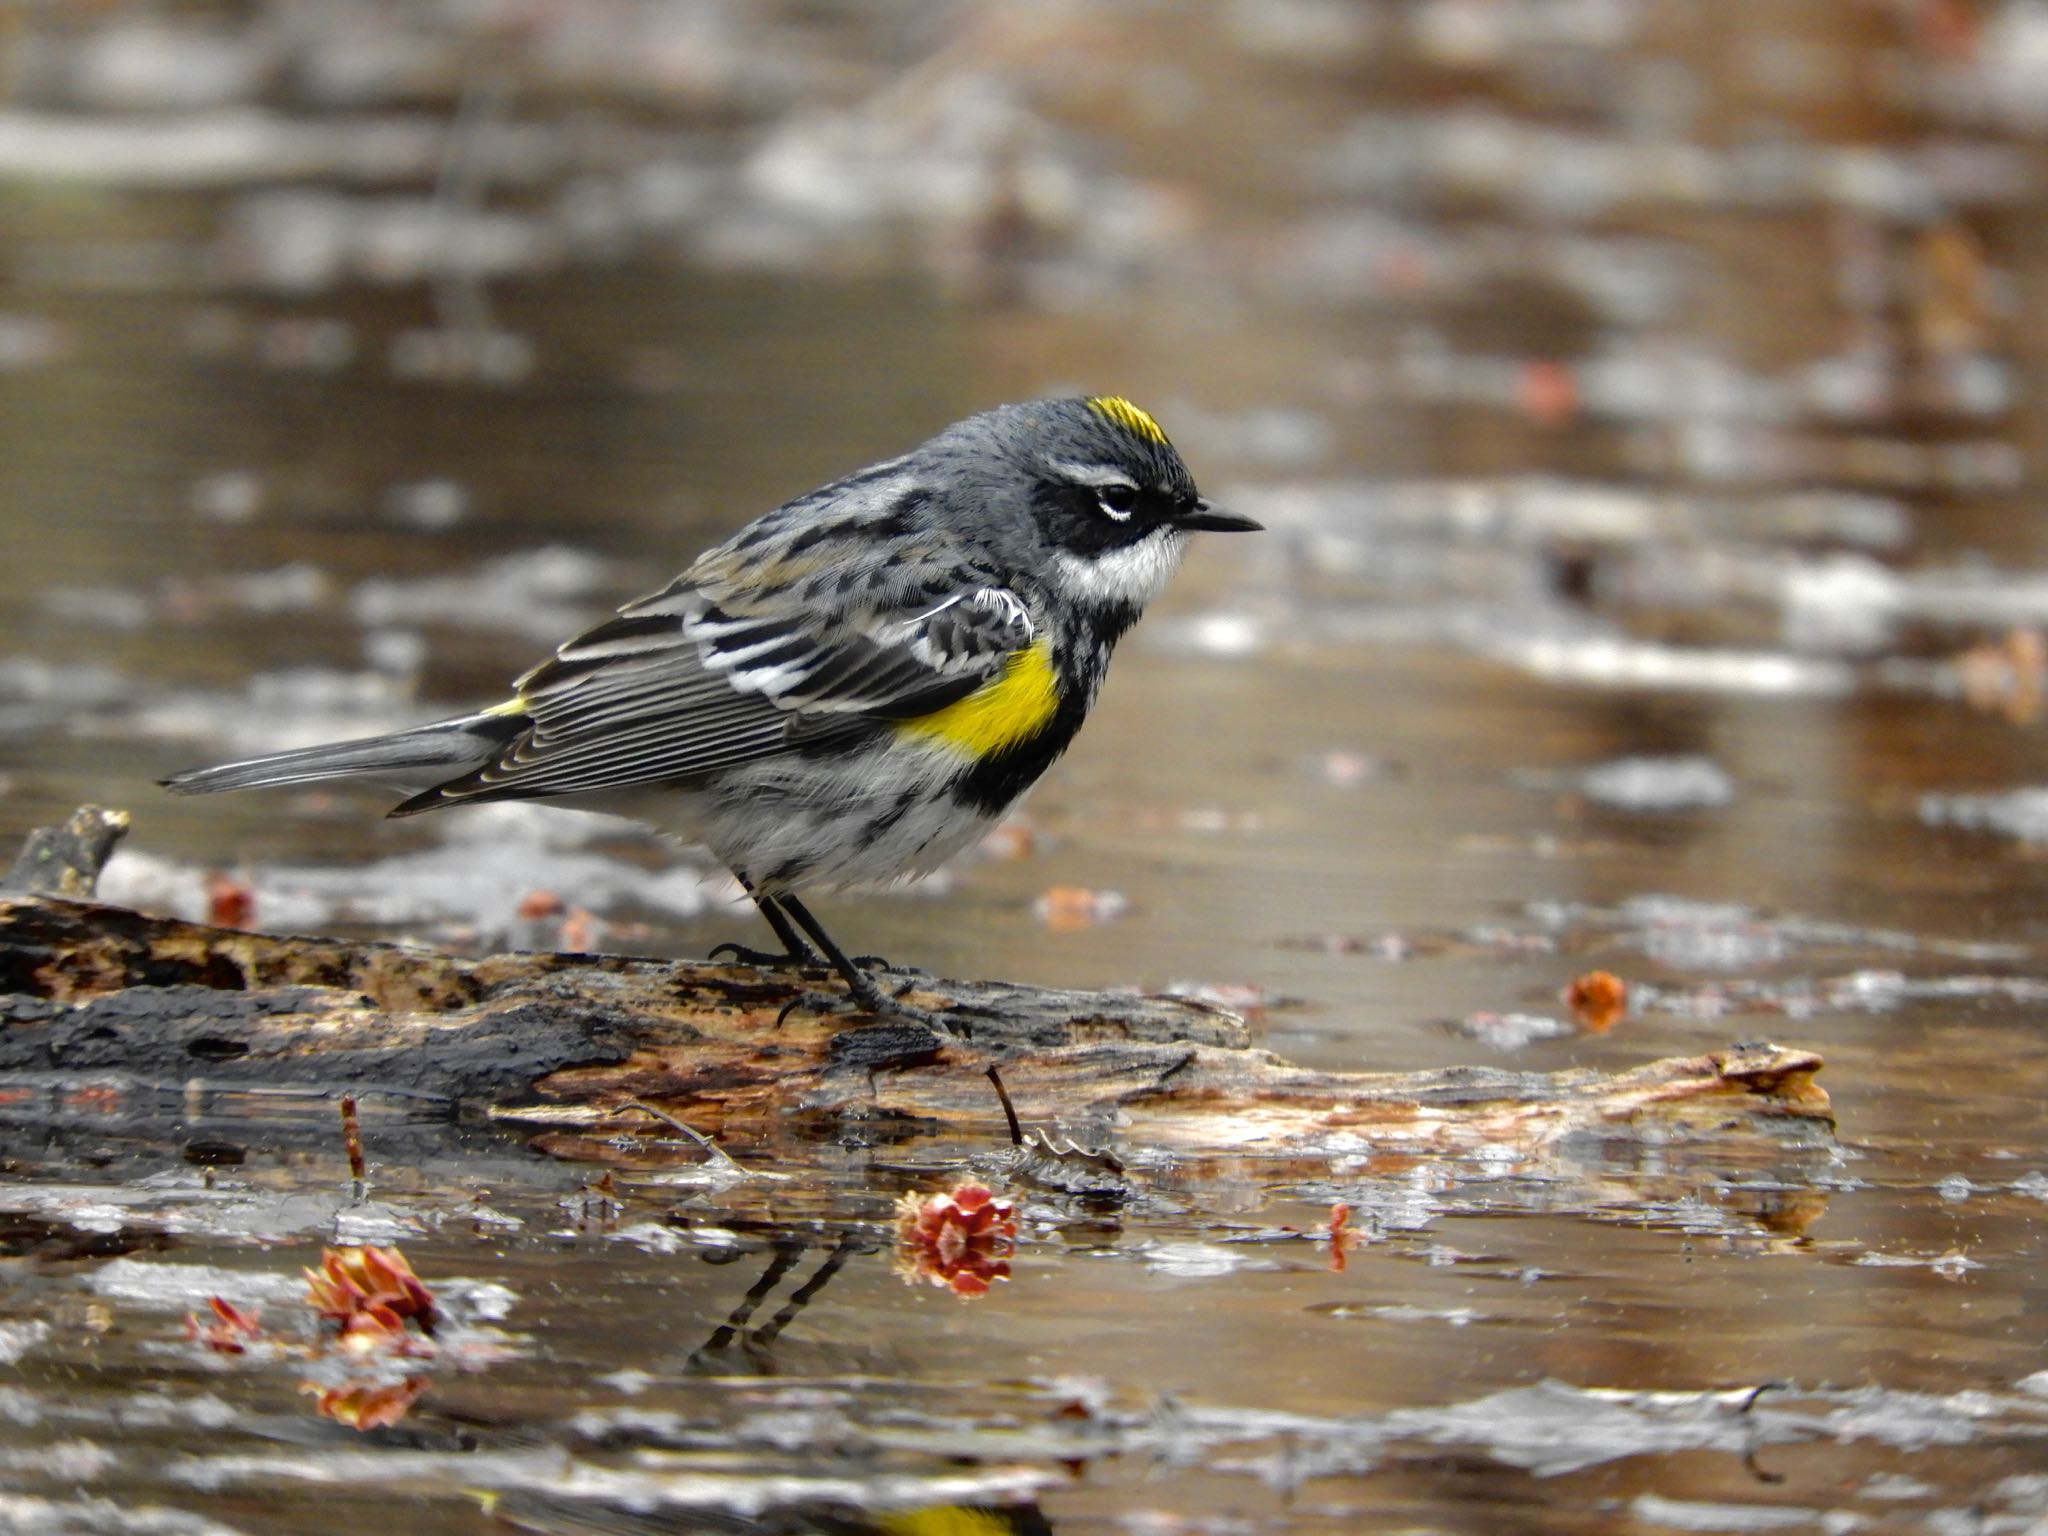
{"points": [[877, 963], [808, 943], [865, 995], [866, 998], [898, 1011]]}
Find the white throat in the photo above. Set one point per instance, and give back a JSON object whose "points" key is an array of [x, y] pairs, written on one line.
{"points": [[1130, 577]]}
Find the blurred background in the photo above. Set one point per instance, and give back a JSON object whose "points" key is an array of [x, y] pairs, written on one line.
{"points": [[1644, 398]]}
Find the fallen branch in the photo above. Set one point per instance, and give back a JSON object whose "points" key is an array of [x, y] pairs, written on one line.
{"points": [[579, 1047], [571, 1041]]}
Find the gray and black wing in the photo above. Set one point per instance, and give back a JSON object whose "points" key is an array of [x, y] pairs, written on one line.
{"points": [[694, 680]]}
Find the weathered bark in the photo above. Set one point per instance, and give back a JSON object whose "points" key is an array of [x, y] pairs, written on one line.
{"points": [[563, 1042]]}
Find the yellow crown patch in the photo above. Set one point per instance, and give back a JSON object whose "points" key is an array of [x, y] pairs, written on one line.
{"points": [[1126, 415]]}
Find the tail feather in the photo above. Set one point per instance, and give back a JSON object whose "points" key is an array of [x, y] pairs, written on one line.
{"points": [[407, 759]]}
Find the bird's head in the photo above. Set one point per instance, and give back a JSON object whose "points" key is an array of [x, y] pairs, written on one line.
{"points": [[1110, 502]]}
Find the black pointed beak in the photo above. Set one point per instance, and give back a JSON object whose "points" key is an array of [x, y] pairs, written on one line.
{"points": [[1213, 519]]}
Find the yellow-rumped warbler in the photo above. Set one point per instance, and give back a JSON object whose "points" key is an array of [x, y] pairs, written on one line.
{"points": [[851, 688]]}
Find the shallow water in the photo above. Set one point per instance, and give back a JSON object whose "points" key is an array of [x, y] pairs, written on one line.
{"points": [[1646, 418]]}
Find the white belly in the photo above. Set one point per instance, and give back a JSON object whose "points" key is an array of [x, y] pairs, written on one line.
{"points": [[791, 824]]}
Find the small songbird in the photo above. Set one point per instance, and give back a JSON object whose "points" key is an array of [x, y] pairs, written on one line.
{"points": [[850, 689]]}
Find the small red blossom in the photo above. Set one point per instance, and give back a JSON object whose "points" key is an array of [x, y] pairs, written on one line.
{"points": [[1339, 1230], [359, 1279], [1598, 1000], [535, 905], [230, 903], [1074, 908], [962, 1241], [231, 1329]]}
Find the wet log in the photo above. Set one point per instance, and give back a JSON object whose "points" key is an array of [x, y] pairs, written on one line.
{"points": [[568, 1043], [577, 1046]]}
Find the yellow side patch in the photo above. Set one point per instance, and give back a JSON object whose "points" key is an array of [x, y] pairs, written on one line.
{"points": [[509, 707], [1126, 415], [1015, 707]]}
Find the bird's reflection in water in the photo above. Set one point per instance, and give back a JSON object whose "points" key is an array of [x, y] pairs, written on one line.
{"points": [[733, 1345], [739, 1347]]}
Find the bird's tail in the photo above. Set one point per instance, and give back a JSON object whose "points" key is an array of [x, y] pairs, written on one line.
{"points": [[407, 759]]}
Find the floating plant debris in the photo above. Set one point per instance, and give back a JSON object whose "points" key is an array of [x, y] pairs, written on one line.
{"points": [[961, 1241], [230, 1329]]}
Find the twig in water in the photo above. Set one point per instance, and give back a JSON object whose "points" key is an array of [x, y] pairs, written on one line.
{"points": [[352, 1141], [712, 1149], [1009, 1109]]}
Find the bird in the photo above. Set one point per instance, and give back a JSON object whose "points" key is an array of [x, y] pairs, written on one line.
{"points": [[852, 688]]}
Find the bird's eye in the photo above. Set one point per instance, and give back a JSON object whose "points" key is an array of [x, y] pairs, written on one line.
{"points": [[1118, 501]]}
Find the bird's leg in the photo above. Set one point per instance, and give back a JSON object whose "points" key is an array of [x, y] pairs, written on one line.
{"points": [[775, 909], [859, 984], [796, 950]]}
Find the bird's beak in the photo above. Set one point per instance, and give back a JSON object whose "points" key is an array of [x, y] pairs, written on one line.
{"points": [[1213, 519]]}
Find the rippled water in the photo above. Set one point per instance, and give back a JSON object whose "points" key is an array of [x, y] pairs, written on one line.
{"points": [[1645, 412]]}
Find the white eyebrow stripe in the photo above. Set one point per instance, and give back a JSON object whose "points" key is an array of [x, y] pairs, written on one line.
{"points": [[1100, 476]]}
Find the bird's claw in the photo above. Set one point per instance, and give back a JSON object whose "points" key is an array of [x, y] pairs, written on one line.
{"points": [[892, 1006], [877, 963], [893, 1009]]}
